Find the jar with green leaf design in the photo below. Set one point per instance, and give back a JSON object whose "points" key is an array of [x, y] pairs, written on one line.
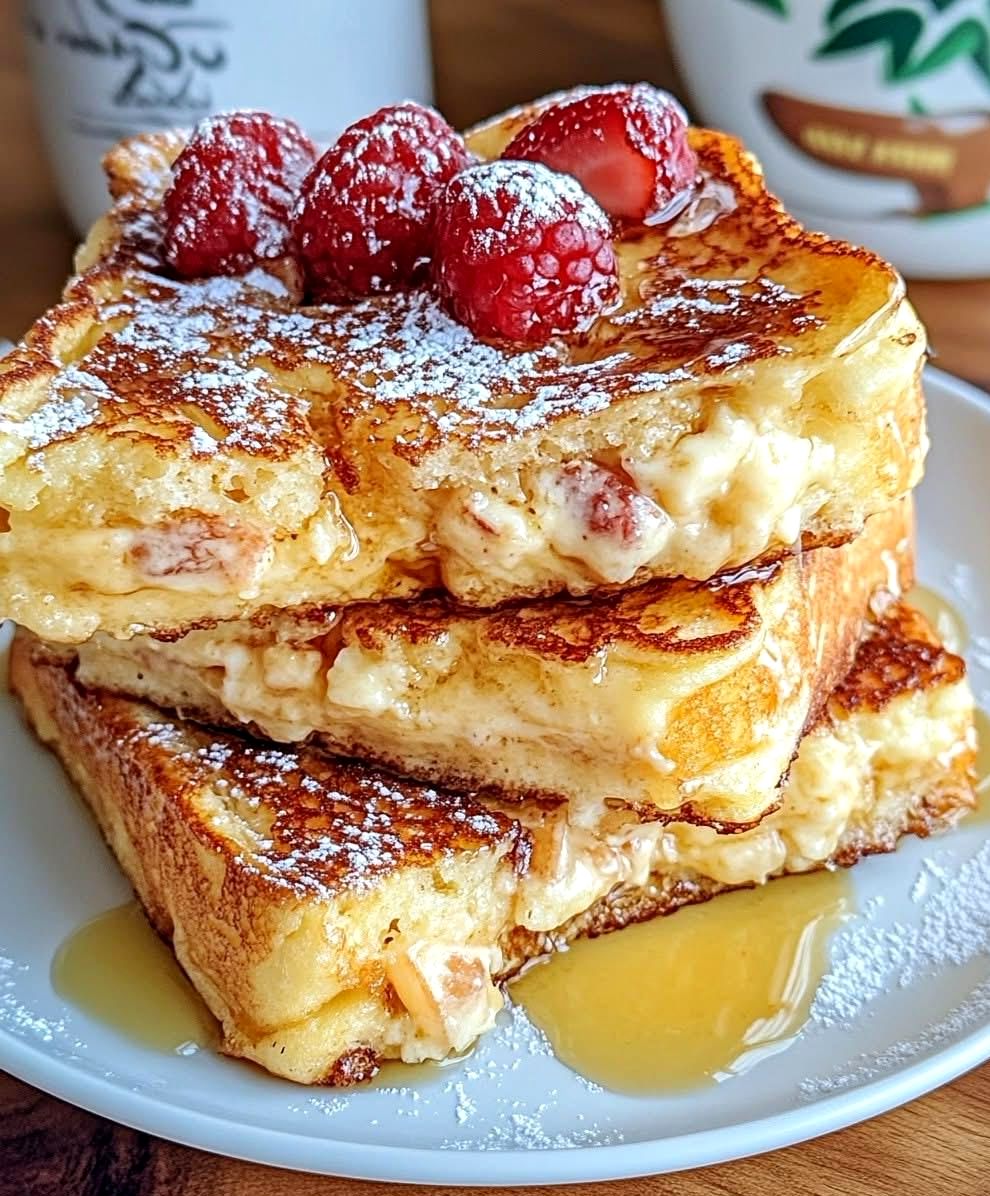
{"points": [[871, 117]]}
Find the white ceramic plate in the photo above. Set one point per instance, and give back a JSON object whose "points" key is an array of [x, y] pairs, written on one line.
{"points": [[904, 1008]]}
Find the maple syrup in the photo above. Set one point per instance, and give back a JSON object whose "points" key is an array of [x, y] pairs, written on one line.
{"points": [[116, 969], [693, 998]]}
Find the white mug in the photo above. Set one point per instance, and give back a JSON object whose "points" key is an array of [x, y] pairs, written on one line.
{"points": [[106, 69], [871, 117]]}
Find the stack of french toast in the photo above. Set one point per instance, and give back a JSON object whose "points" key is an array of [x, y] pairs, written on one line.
{"points": [[432, 550]]}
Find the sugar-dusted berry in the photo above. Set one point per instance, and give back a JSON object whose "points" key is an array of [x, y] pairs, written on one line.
{"points": [[233, 187], [522, 253], [363, 220], [627, 146]]}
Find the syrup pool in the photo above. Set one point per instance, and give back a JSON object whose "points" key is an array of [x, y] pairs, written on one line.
{"points": [[116, 969], [693, 998]]}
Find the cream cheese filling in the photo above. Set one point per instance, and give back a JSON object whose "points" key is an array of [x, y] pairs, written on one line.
{"points": [[608, 726], [718, 496]]}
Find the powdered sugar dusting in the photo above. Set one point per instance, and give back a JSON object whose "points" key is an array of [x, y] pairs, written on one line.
{"points": [[523, 196], [409, 352], [260, 279], [314, 824], [481, 1099], [871, 960], [412, 348], [180, 361], [270, 358], [973, 1011], [59, 419], [489, 1079], [579, 92], [15, 1017], [230, 350], [201, 443]]}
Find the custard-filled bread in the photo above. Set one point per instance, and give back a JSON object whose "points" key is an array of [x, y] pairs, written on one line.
{"points": [[178, 451], [333, 917], [679, 696]]}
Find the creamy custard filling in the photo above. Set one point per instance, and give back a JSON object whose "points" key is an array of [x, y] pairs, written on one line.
{"points": [[718, 496], [683, 693], [613, 725], [448, 991], [198, 553], [583, 851], [639, 715], [844, 776]]}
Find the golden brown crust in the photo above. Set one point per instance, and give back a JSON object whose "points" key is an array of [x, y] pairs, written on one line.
{"points": [[689, 297], [141, 403], [574, 630], [278, 878], [136, 167], [685, 302], [420, 619], [901, 655]]}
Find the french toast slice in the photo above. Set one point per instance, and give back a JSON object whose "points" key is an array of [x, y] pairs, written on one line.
{"points": [[178, 451], [333, 917], [684, 699]]}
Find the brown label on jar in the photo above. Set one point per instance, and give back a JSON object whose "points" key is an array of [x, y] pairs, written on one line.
{"points": [[946, 158]]}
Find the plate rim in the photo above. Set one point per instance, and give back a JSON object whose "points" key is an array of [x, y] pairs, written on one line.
{"points": [[516, 1167], [324, 1155]]}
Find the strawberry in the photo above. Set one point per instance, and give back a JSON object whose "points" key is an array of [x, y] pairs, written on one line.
{"points": [[627, 146]]}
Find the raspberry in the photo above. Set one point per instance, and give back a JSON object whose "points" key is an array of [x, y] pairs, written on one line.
{"points": [[363, 219], [522, 253], [627, 146], [231, 193]]}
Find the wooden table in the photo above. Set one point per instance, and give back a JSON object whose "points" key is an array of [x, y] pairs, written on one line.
{"points": [[487, 56]]}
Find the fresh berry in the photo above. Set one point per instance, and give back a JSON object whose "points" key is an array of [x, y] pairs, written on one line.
{"points": [[522, 253], [627, 146], [363, 219], [232, 190]]}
